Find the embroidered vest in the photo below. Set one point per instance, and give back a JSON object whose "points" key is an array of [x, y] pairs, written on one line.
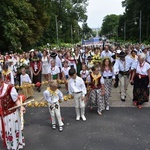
{"points": [[93, 86], [6, 102]]}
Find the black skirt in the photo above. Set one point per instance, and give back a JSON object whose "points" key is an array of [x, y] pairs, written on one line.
{"points": [[140, 90]]}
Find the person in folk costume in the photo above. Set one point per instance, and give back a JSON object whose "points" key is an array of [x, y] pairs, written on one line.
{"points": [[85, 56], [78, 59], [141, 81], [45, 64], [76, 87], [54, 71], [108, 75], [115, 57], [25, 81], [13, 68], [32, 55], [65, 74], [8, 75], [134, 58], [84, 73], [36, 69], [96, 82], [71, 60], [53, 95], [123, 67], [10, 122], [58, 63]]}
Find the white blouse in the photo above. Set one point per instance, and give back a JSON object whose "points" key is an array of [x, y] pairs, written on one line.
{"points": [[54, 71], [13, 92], [84, 74], [108, 74], [66, 71], [143, 70], [25, 78]]}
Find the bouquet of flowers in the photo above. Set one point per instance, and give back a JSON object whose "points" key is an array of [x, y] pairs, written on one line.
{"points": [[96, 59]]}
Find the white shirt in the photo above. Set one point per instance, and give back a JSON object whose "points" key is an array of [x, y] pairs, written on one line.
{"points": [[25, 78], [54, 71], [144, 69], [58, 62], [108, 74], [13, 93], [105, 54], [51, 98], [66, 70], [123, 65], [84, 74], [76, 85]]}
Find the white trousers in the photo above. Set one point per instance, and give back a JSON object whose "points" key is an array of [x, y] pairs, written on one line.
{"points": [[55, 112], [124, 81], [79, 103]]}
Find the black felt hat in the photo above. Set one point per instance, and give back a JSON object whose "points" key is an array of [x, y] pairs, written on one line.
{"points": [[53, 54]]}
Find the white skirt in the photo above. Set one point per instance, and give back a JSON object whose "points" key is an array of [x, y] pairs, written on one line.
{"points": [[45, 69], [14, 135]]}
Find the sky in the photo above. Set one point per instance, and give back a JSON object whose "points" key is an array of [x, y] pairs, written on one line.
{"points": [[98, 9]]}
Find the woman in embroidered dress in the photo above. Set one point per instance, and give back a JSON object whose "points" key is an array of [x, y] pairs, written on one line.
{"points": [[26, 83], [36, 69], [45, 64], [96, 82], [108, 75], [10, 124], [78, 59], [141, 80], [8, 75], [71, 60]]}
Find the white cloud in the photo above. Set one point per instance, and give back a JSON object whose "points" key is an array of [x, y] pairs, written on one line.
{"points": [[98, 9]]}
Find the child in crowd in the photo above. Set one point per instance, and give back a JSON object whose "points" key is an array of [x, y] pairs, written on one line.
{"points": [[25, 82], [84, 72], [65, 74], [53, 95], [76, 87]]}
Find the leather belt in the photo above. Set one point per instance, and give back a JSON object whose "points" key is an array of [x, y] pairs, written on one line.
{"points": [[109, 77], [124, 72], [77, 92]]}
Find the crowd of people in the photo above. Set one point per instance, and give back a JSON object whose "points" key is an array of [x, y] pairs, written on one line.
{"points": [[89, 74]]}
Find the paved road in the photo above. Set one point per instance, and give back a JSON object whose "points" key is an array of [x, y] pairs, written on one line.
{"points": [[117, 129]]}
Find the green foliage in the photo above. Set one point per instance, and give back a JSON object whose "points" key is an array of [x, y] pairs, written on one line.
{"points": [[110, 24], [132, 15], [30, 23]]}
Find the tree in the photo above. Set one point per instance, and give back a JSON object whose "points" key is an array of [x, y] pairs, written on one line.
{"points": [[110, 24]]}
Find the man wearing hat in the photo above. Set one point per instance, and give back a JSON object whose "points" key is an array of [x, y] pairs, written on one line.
{"points": [[53, 95], [122, 67]]}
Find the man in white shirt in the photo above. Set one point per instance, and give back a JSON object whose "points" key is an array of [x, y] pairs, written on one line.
{"points": [[76, 87], [106, 53], [123, 67]]}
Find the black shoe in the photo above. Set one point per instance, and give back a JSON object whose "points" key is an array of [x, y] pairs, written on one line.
{"points": [[54, 126], [61, 128], [123, 100], [115, 85]]}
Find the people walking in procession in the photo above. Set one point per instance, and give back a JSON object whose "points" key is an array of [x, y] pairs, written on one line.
{"points": [[76, 87], [53, 95]]}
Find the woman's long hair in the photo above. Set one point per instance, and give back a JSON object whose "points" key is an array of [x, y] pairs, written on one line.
{"points": [[109, 65]]}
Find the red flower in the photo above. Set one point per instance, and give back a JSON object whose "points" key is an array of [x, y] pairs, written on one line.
{"points": [[38, 84]]}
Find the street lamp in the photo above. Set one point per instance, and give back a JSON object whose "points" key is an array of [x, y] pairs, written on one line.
{"points": [[57, 22], [140, 26], [135, 22]]}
